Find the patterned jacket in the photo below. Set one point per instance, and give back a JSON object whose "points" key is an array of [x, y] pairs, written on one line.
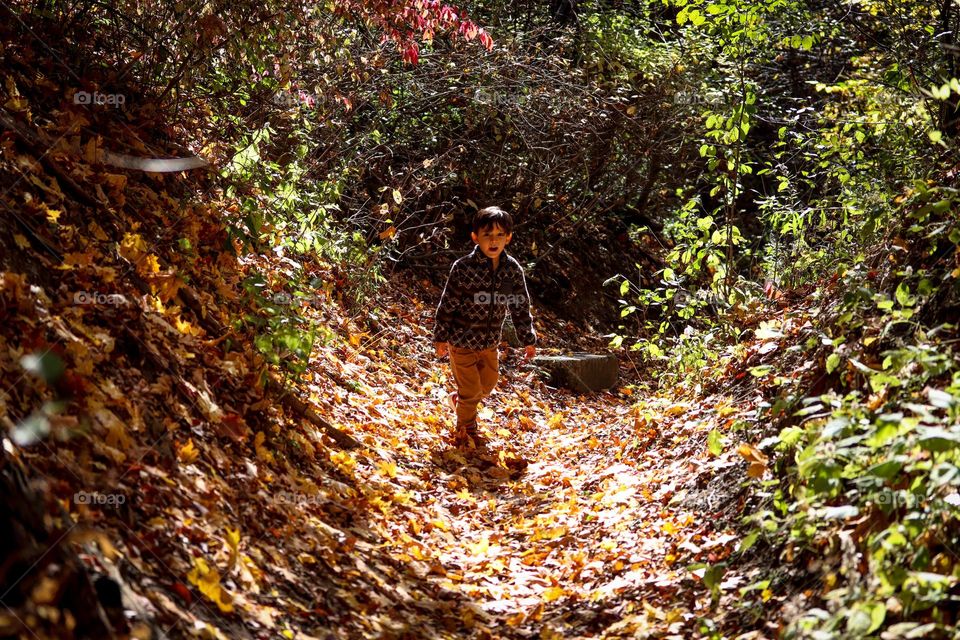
{"points": [[476, 299]]}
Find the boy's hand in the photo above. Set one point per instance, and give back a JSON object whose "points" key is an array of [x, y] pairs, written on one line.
{"points": [[530, 352], [442, 349]]}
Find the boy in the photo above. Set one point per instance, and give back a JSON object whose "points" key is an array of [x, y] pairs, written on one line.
{"points": [[480, 289]]}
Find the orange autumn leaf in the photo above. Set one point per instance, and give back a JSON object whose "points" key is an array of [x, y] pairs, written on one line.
{"points": [[756, 459]]}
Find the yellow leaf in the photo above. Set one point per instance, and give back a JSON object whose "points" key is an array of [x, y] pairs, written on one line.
{"points": [[186, 327], [152, 264], [388, 468], [262, 452], [676, 409], [53, 215], [21, 241], [389, 232], [344, 461], [233, 539], [132, 247], [16, 104], [207, 580], [553, 593], [78, 259], [516, 619], [188, 452], [397, 196], [479, 548], [549, 534]]}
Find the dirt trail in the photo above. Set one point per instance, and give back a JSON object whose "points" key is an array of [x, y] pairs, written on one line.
{"points": [[584, 542], [272, 531]]}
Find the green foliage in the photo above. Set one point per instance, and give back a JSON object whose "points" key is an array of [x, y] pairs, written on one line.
{"points": [[285, 336], [821, 165], [872, 467]]}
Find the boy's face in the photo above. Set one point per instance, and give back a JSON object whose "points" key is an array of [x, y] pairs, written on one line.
{"points": [[492, 240]]}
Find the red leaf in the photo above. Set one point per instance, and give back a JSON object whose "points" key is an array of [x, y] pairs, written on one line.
{"points": [[181, 590]]}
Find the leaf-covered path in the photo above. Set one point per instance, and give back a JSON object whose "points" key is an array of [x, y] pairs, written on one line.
{"points": [[233, 516], [586, 541]]}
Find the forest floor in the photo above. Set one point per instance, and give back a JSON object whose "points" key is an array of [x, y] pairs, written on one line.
{"points": [[581, 518]]}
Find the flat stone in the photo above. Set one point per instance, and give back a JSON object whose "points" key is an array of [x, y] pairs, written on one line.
{"points": [[582, 372], [510, 333]]}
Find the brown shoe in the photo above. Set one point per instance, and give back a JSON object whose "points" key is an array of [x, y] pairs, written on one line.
{"points": [[470, 435]]}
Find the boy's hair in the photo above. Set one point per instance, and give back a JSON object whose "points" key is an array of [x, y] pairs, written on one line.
{"points": [[490, 216]]}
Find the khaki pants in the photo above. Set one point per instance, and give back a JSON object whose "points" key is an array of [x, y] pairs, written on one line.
{"points": [[476, 376]]}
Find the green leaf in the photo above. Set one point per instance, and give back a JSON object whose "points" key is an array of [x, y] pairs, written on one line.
{"points": [[833, 361], [865, 618], [713, 575], [790, 436], [880, 380], [748, 541], [938, 439], [886, 470], [903, 295], [715, 442], [885, 305]]}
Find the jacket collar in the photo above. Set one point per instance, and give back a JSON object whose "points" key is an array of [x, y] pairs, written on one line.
{"points": [[477, 256]]}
